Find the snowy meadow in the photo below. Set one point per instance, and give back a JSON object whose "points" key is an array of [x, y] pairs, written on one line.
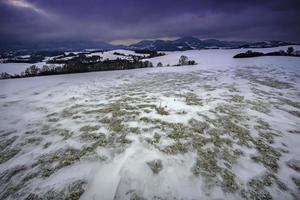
{"points": [[222, 129]]}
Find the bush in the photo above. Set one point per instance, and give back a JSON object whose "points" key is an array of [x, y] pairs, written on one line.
{"points": [[159, 64], [32, 71], [290, 50], [5, 75], [183, 60]]}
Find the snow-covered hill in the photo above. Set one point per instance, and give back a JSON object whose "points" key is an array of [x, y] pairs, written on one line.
{"points": [[222, 129]]}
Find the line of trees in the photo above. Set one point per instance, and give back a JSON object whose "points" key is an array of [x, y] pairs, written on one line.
{"points": [[183, 60], [79, 67], [82, 65], [249, 54]]}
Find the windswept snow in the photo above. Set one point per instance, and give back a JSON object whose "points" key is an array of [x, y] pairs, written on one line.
{"points": [[222, 129]]}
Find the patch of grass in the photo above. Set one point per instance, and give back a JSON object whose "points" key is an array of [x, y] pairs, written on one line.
{"points": [[142, 106], [259, 106], [71, 192], [177, 148], [135, 130], [232, 88], [76, 117], [5, 133], [34, 140], [296, 180], [181, 112], [9, 173], [198, 126], [294, 112], [281, 185], [237, 98], [294, 131], [272, 82], [220, 142], [8, 154], [229, 157], [267, 136], [123, 140], [206, 164], [29, 176], [146, 119], [198, 142], [228, 182], [268, 156], [66, 134], [155, 166], [209, 88], [238, 132], [257, 194], [7, 142], [156, 138], [231, 111], [179, 131], [51, 163], [262, 125], [89, 128], [147, 110], [290, 102], [294, 164], [94, 137], [192, 99], [266, 180], [46, 145], [53, 119], [67, 112], [115, 124], [161, 110]]}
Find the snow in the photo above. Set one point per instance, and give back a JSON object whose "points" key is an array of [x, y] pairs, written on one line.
{"points": [[17, 68], [47, 107], [111, 56]]}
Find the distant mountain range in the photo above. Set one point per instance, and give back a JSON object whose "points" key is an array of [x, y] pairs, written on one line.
{"points": [[185, 43], [189, 43], [181, 44]]}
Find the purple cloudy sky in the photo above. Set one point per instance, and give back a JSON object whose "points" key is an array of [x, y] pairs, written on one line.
{"points": [[110, 20]]}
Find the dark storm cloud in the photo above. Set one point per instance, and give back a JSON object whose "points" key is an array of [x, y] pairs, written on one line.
{"points": [[35, 20]]}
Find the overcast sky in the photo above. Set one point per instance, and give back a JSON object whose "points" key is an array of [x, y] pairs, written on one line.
{"points": [[129, 20]]}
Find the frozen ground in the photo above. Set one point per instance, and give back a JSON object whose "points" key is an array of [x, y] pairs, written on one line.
{"points": [[223, 129]]}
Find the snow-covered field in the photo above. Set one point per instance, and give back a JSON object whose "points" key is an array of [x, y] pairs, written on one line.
{"points": [[110, 55], [223, 129], [18, 68]]}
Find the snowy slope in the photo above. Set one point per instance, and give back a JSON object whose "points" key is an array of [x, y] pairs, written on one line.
{"points": [[223, 129], [17, 68], [111, 56]]}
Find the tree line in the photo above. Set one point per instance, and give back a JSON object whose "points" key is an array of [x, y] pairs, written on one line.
{"points": [[83, 65], [249, 54], [79, 67]]}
